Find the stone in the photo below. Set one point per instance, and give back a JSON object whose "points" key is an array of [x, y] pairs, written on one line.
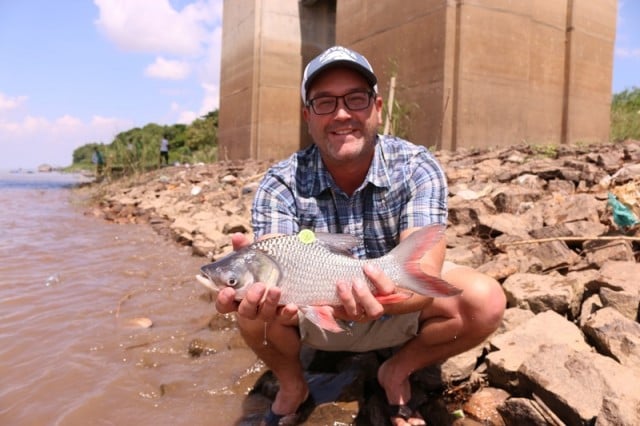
{"points": [[513, 348], [555, 373], [615, 335], [539, 293]]}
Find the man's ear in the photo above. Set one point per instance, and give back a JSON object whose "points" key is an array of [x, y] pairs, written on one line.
{"points": [[378, 104]]}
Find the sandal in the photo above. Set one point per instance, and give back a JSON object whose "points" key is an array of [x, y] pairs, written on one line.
{"points": [[407, 412], [304, 410]]}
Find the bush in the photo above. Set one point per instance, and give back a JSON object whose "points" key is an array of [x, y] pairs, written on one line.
{"points": [[137, 150], [625, 115]]}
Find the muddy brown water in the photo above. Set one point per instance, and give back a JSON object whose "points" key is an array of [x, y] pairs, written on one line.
{"points": [[71, 352]]}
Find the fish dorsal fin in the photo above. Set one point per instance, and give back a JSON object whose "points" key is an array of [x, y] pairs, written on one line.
{"points": [[338, 243]]}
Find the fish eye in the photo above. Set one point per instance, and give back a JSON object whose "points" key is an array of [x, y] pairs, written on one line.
{"points": [[232, 282]]}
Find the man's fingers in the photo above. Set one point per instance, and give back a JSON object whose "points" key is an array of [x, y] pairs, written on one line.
{"points": [[384, 284], [370, 305], [248, 308], [225, 301], [239, 240], [346, 296], [289, 314], [268, 310]]}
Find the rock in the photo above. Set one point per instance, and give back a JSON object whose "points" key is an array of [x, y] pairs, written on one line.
{"points": [[472, 255], [482, 406], [539, 293], [553, 254], [599, 252], [618, 286], [525, 412], [615, 335], [556, 373], [503, 223], [512, 319], [141, 322], [572, 208], [513, 348]]}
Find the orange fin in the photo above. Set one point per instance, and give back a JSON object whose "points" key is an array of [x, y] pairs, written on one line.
{"points": [[393, 298], [322, 316]]}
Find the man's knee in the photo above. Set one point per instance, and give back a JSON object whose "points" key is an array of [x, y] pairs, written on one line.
{"points": [[488, 302], [483, 299]]}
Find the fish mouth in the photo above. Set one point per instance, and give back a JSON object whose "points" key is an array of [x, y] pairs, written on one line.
{"points": [[207, 282]]}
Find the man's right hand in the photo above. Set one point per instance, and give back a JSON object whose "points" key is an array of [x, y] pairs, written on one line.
{"points": [[256, 304], [225, 301]]}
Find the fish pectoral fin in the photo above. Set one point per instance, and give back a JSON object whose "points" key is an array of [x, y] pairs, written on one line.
{"points": [[322, 316], [389, 299]]}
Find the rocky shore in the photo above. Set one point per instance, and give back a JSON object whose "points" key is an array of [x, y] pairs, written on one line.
{"points": [[539, 220]]}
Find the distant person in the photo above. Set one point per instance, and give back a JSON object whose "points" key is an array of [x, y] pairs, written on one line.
{"points": [[98, 160], [164, 151]]}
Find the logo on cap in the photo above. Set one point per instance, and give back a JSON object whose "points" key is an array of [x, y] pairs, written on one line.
{"points": [[337, 53]]}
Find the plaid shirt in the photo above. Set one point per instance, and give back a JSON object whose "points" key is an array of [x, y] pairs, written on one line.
{"points": [[404, 188]]}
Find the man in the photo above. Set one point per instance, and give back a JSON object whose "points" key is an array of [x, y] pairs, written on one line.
{"points": [[98, 160], [164, 151], [380, 188]]}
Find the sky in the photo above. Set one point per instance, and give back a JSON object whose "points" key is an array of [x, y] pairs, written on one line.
{"points": [[74, 72]]}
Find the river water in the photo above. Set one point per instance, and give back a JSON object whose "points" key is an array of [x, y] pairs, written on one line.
{"points": [[75, 293]]}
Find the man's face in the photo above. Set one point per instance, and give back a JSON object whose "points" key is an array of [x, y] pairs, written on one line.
{"points": [[343, 135]]}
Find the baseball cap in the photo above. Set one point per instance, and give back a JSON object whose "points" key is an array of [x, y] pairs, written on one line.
{"points": [[337, 56]]}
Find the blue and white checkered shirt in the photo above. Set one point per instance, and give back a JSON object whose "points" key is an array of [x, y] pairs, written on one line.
{"points": [[404, 188]]}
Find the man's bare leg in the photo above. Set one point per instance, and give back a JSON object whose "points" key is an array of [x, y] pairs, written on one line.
{"points": [[450, 326], [281, 354]]}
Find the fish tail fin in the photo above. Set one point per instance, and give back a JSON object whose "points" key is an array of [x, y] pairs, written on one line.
{"points": [[409, 254]]}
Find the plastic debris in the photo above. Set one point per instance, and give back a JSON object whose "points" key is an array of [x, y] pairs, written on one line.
{"points": [[622, 215]]}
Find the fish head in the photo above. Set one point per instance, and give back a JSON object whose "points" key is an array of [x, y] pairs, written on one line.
{"points": [[239, 270]]}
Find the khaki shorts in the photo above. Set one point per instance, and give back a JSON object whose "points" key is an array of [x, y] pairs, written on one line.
{"points": [[387, 332]]}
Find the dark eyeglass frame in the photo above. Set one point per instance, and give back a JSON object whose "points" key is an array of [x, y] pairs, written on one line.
{"points": [[311, 103]]}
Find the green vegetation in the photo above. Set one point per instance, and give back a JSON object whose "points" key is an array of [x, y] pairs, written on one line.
{"points": [[546, 150], [625, 115], [138, 149], [397, 114]]}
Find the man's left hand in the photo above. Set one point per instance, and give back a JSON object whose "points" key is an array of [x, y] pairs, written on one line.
{"points": [[358, 301]]}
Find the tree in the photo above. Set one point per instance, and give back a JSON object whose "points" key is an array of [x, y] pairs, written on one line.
{"points": [[202, 133]]}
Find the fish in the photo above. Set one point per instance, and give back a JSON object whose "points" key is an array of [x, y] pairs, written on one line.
{"points": [[307, 266]]}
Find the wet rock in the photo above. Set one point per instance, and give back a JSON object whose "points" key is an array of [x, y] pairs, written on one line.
{"points": [[482, 406], [199, 347], [141, 322]]}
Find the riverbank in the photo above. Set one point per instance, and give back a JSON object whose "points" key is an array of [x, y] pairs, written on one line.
{"points": [[539, 220]]}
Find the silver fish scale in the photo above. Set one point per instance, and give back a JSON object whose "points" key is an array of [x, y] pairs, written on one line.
{"points": [[310, 271]]}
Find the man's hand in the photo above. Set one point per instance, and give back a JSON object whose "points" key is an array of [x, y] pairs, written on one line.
{"points": [[358, 302], [260, 302], [225, 301]]}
